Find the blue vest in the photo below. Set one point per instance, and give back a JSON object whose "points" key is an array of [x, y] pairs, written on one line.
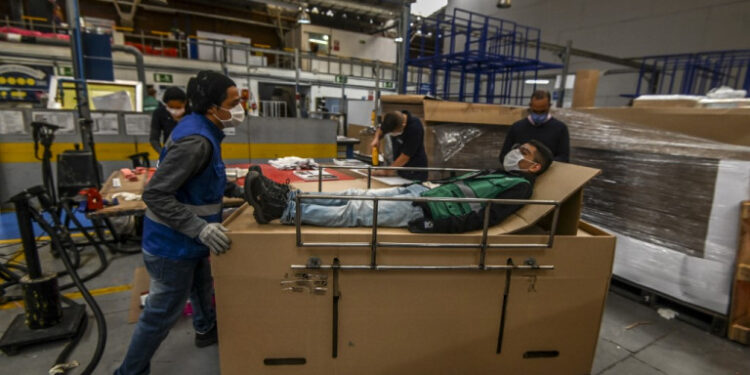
{"points": [[202, 194]]}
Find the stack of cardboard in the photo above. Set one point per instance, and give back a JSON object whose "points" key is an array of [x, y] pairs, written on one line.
{"points": [[672, 199]]}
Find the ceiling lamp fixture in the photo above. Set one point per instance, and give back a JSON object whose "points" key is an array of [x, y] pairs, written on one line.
{"points": [[329, 13], [503, 4], [370, 21], [343, 15], [315, 10], [304, 17], [398, 39]]}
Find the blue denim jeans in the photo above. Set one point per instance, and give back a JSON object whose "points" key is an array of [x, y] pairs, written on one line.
{"points": [[353, 213], [172, 281]]}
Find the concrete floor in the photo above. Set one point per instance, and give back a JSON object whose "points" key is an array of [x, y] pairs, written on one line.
{"points": [[656, 346]]}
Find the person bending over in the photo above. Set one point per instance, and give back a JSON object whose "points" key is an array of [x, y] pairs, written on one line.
{"points": [[521, 165]]}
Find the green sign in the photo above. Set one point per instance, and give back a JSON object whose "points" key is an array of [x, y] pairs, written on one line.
{"points": [[65, 71], [387, 85], [340, 79], [163, 78]]}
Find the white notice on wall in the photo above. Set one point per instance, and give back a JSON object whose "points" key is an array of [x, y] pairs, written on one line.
{"points": [[64, 119], [105, 123], [230, 131], [137, 124], [11, 122]]}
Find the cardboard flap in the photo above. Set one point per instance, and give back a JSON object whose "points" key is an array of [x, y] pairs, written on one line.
{"points": [[559, 183], [471, 113], [405, 99]]}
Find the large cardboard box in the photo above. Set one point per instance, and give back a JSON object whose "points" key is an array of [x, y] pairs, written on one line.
{"points": [[728, 125], [417, 322], [584, 91], [454, 130]]}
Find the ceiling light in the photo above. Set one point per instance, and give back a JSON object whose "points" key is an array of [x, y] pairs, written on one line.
{"points": [[303, 18], [503, 3], [429, 34], [317, 41], [343, 15], [370, 21], [329, 13], [537, 81], [314, 10], [325, 37], [398, 39], [419, 32]]}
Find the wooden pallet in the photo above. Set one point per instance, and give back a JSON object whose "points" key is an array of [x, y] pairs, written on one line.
{"points": [[694, 315], [739, 315]]}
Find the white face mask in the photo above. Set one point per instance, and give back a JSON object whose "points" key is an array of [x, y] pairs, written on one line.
{"points": [[176, 112], [510, 163], [238, 116]]}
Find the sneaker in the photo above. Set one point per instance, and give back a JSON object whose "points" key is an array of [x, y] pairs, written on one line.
{"points": [[269, 203], [209, 338], [283, 189], [253, 189]]}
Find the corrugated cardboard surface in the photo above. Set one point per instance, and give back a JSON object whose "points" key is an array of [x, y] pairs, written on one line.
{"points": [[584, 92], [413, 322], [723, 125]]}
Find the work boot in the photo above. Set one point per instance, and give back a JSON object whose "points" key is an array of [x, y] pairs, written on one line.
{"points": [[282, 189], [269, 203], [203, 340]]}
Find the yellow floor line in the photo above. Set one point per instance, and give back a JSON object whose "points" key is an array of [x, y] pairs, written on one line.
{"points": [[43, 238], [76, 295]]}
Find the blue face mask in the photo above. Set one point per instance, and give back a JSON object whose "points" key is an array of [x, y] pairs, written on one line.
{"points": [[539, 118]]}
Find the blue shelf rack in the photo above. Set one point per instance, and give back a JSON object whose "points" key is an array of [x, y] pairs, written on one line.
{"points": [[694, 73], [492, 58]]}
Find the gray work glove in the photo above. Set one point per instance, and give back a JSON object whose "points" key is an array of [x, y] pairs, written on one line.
{"points": [[212, 235]]}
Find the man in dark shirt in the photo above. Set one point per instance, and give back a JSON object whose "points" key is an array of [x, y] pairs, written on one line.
{"points": [[539, 125], [516, 181], [407, 135], [165, 117]]}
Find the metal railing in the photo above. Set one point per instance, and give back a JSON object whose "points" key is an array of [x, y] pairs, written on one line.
{"points": [[373, 244], [228, 52], [272, 108]]}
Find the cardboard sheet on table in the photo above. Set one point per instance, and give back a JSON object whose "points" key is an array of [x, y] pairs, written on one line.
{"points": [[559, 183]]}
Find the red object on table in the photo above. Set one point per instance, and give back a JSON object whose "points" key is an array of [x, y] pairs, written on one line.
{"points": [[127, 173], [281, 176], [93, 199]]}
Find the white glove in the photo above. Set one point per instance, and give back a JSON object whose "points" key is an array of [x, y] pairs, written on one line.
{"points": [[212, 235]]}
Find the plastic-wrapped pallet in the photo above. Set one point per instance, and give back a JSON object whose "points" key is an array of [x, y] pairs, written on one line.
{"points": [[673, 200]]}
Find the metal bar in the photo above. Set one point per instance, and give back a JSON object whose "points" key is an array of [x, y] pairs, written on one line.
{"points": [[298, 219], [304, 196], [564, 77], [485, 228], [336, 295], [366, 267], [505, 306], [369, 175], [429, 169], [374, 248]]}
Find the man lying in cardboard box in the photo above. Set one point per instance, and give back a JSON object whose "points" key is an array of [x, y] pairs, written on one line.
{"points": [[521, 165]]}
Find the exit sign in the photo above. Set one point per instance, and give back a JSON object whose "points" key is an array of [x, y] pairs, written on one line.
{"points": [[163, 78], [387, 85], [65, 71], [340, 79]]}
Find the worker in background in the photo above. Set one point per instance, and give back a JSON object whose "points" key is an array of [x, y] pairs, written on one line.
{"points": [[165, 117], [539, 125], [407, 136], [182, 223], [515, 181], [150, 103]]}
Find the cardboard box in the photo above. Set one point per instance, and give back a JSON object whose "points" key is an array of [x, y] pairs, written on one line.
{"points": [[667, 101], [417, 322], [446, 142], [584, 91], [728, 125]]}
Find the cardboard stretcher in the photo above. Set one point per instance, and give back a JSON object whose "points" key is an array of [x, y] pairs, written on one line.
{"points": [[528, 311]]}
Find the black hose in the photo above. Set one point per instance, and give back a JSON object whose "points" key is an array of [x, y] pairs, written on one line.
{"points": [[63, 356], [101, 324]]}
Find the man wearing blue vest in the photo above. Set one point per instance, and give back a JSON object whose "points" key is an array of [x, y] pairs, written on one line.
{"points": [[182, 223], [521, 165]]}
